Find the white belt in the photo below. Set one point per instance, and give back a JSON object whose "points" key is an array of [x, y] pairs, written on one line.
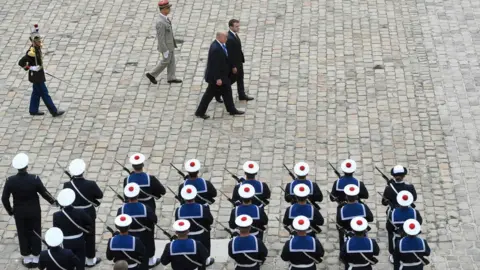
{"points": [[136, 230], [73, 236], [196, 233], [144, 199], [402, 264], [352, 265], [254, 233], [301, 265], [132, 265], [82, 206], [246, 265]]}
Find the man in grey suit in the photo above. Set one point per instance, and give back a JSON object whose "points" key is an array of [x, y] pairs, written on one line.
{"points": [[166, 46]]}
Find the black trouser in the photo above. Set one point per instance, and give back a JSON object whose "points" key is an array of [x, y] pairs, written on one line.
{"points": [[238, 78], [77, 246], [225, 90], [148, 240], [90, 237], [203, 238], [30, 244]]}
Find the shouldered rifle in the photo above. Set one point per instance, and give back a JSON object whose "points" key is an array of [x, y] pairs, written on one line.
{"points": [[334, 198], [174, 194], [343, 230], [285, 227], [65, 171], [228, 198], [179, 172], [226, 229], [290, 172], [335, 170], [123, 167], [167, 234], [233, 175], [116, 193], [39, 237]]}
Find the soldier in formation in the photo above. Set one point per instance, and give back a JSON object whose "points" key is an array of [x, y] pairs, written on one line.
{"points": [[206, 192], [56, 257]]}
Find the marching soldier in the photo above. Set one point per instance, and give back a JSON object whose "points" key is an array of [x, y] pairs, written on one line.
{"points": [[24, 188], [411, 250], [126, 247], [150, 187], [338, 195], [206, 192], [259, 218], [302, 251], [74, 223], [359, 251], [350, 210], [185, 253], [143, 221], [56, 257], [87, 194], [301, 169], [262, 191], [395, 186], [198, 215], [397, 218], [302, 208], [248, 251], [33, 63]]}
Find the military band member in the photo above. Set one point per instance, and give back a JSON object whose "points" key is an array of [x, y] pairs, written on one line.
{"points": [[348, 167], [33, 63], [259, 218], [143, 221], [302, 251], [262, 191], [185, 253], [397, 218], [395, 186], [350, 210], [301, 169], [150, 187], [74, 223], [24, 188], [56, 257], [302, 208], [197, 214], [206, 192], [248, 251], [411, 250], [359, 251], [87, 196], [127, 247]]}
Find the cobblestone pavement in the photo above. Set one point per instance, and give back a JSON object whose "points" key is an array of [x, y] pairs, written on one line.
{"points": [[318, 98]]}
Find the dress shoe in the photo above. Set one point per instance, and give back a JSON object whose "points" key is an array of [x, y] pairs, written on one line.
{"points": [[246, 98], [97, 261], [37, 113], [205, 116], [151, 78], [237, 113], [219, 100], [175, 81], [157, 262], [58, 113], [212, 261], [34, 265]]}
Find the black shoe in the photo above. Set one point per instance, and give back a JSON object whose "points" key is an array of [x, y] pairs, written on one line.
{"points": [[205, 116], [92, 265], [37, 113], [246, 98], [157, 262], [219, 100], [212, 261], [27, 265], [58, 113], [237, 113], [151, 78], [175, 81], [33, 265]]}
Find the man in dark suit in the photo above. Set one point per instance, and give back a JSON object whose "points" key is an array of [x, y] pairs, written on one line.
{"points": [[217, 76]]}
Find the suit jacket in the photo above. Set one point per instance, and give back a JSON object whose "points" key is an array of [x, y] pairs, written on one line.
{"points": [[235, 53], [166, 42], [33, 57], [218, 65]]}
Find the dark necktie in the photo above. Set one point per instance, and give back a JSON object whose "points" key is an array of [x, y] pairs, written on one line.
{"points": [[225, 49]]}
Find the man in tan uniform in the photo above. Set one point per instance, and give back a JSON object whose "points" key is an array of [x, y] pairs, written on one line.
{"points": [[166, 46]]}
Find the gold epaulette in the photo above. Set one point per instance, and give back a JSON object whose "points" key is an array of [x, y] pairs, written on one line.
{"points": [[31, 52]]}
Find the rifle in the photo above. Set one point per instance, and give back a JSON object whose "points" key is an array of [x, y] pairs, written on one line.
{"points": [[174, 194], [179, 172], [335, 170], [285, 227], [65, 171], [343, 230], [228, 198], [233, 175], [39, 237], [123, 167], [290, 172], [167, 234], [116, 193], [227, 230], [334, 198], [388, 184]]}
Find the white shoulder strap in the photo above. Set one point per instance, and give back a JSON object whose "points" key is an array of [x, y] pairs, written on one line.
{"points": [[53, 259], [74, 223], [194, 262], [81, 195], [309, 256], [367, 259], [128, 256]]}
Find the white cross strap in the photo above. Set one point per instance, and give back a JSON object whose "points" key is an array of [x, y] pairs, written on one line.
{"points": [[81, 195], [53, 259], [74, 223]]}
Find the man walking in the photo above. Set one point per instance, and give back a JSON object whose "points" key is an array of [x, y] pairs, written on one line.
{"points": [[217, 76], [166, 46]]}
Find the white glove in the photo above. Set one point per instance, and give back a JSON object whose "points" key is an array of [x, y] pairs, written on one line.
{"points": [[165, 54], [34, 68]]}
